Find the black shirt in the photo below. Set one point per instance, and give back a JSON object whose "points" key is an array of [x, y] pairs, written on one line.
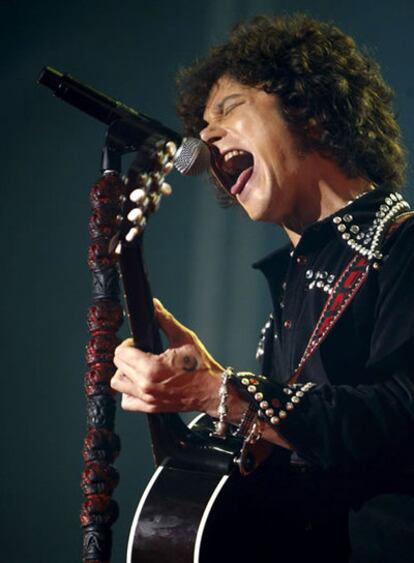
{"points": [[363, 405], [358, 421]]}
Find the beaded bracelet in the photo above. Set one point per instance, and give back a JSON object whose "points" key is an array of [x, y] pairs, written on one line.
{"points": [[221, 425]]}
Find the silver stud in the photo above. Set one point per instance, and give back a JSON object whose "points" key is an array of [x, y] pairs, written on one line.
{"points": [[289, 406], [341, 228], [258, 396], [388, 201], [269, 412], [348, 218], [251, 389], [288, 391], [299, 393], [354, 229], [384, 208], [330, 278], [319, 284], [376, 266], [309, 274], [295, 400], [275, 420], [282, 414], [311, 285], [245, 381], [337, 220], [264, 405]]}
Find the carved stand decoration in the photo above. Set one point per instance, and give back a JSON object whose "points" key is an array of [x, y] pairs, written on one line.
{"points": [[101, 445]]}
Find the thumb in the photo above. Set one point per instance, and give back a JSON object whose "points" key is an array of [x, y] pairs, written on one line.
{"points": [[176, 332], [125, 343]]}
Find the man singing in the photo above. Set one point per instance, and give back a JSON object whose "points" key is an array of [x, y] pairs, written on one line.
{"points": [[302, 132]]}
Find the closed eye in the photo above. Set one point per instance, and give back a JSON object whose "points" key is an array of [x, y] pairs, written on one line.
{"points": [[231, 107]]}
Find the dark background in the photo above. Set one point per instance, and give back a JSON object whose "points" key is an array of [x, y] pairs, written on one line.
{"points": [[198, 254]]}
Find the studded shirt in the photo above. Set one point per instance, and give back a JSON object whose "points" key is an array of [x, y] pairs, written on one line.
{"points": [[361, 412]]}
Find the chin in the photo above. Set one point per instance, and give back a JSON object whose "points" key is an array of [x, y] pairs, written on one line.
{"points": [[255, 214]]}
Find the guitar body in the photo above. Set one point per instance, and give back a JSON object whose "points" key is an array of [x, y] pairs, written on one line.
{"points": [[170, 526], [183, 515]]}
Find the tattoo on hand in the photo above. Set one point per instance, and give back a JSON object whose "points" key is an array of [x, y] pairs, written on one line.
{"points": [[189, 363]]}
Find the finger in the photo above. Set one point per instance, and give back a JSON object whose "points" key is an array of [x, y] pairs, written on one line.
{"points": [[134, 357], [130, 403], [123, 384], [137, 386], [127, 342], [128, 371], [176, 332], [118, 379]]}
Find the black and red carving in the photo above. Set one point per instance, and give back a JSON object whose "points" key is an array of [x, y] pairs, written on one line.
{"points": [[99, 478], [101, 445]]}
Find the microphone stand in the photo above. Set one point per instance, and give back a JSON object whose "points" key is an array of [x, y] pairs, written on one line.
{"points": [[104, 318]]}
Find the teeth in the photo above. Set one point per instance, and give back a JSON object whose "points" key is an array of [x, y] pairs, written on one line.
{"points": [[231, 154]]}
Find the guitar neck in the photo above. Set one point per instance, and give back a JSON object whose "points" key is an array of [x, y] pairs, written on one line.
{"points": [[171, 438], [138, 299]]}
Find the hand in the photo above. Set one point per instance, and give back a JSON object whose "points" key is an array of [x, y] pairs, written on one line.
{"points": [[183, 378]]}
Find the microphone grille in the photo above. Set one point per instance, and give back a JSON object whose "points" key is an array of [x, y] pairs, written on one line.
{"points": [[193, 157]]}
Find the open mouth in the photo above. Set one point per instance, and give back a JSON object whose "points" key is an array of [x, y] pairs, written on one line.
{"points": [[233, 169]]}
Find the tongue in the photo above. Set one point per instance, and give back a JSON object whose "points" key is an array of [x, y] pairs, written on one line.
{"points": [[241, 181]]}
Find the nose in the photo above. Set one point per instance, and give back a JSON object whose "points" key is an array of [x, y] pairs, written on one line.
{"points": [[212, 133]]}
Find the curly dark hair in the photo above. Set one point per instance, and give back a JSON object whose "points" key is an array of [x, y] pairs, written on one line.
{"points": [[320, 77]]}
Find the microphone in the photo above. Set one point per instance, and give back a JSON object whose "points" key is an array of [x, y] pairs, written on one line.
{"points": [[193, 155]]}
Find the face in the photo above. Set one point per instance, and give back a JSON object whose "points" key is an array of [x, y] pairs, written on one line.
{"points": [[259, 161]]}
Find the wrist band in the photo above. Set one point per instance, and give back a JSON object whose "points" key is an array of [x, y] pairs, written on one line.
{"points": [[272, 400]]}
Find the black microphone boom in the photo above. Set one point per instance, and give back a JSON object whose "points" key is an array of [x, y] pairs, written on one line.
{"points": [[192, 157]]}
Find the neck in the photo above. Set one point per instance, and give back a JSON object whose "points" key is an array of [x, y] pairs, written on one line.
{"points": [[326, 195]]}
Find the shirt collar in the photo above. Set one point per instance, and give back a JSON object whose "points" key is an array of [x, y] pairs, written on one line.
{"points": [[355, 218]]}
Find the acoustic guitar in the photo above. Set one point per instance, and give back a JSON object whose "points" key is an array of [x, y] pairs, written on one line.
{"points": [[190, 510]]}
